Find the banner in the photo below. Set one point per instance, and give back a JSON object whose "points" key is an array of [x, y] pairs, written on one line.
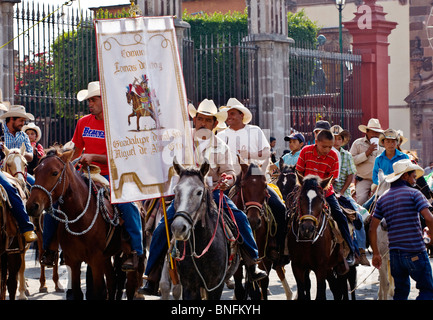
{"points": [[144, 105]]}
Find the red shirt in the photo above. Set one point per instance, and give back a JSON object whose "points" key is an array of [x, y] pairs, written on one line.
{"points": [[310, 162], [90, 135]]}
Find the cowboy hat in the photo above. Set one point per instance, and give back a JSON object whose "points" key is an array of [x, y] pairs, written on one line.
{"points": [[208, 108], [388, 134], [234, 103], [402, 139], [93, 90], [339, 131], [373, 124], [402, 166], [33, 126], [17, 111]]}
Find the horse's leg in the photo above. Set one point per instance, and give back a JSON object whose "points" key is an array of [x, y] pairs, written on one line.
{"points": [[22, 288], [300, 277], [129, 118], [3, 274], [110, 278], [138, 121], [239, 288], [282, 276], [14, 264], [75, 269], [321, 285]]}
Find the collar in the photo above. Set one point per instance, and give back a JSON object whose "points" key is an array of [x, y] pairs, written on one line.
{"points": [[397, 154], [6, 130], [400, 183]]}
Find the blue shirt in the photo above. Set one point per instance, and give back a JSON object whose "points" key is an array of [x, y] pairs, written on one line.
{"points": [[16, 141], [290, 159], [400, 207], [382, 162]]}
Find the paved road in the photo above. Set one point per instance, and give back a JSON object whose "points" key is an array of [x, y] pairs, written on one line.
{"points": [[368, 283]]}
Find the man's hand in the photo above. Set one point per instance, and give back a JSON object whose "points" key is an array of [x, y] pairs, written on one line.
{"points": [[376, 260]]}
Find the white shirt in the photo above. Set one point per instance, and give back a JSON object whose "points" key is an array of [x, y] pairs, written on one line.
{"points": [[249, 139]]}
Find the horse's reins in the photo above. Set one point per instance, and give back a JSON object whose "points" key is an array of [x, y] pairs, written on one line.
{"points": [[52, 211]]}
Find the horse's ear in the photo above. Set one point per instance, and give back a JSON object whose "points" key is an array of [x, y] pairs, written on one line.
{"points": [[326, 183], [67, 156], [177, 166], [5, 150], [281, 164], [381, 175], [299, 178], [23, 149], [204, 169]]}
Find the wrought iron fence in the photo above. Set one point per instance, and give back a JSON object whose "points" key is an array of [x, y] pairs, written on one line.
{"points": [[316, 91], [53, 61]]}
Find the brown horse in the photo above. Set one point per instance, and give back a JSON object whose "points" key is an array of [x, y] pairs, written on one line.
{"points": [[312, 239], [138, 110], [251, 197], [82, 232]]}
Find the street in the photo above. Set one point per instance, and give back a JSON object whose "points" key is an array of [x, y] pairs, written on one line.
{"points": [[367, 279]]}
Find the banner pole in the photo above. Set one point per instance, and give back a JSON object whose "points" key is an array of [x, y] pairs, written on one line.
{"points": [[166, 229]]}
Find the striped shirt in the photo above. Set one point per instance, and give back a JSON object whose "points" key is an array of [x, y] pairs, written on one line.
{"points": [[310, 162], [16, 141], [400, 207], [347, 168]]}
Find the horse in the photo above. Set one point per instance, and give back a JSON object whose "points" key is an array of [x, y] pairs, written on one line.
{"points": [[286, 181], [12, 243], [87, 220], [314, 244], [203, 266], [138, 110], [16, 165], [251, 195]]}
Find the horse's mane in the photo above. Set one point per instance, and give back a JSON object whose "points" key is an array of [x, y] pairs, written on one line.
{"points": [[311, 182]]}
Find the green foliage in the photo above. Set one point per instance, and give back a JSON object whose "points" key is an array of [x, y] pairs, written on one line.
{"points": [[302, 29]]}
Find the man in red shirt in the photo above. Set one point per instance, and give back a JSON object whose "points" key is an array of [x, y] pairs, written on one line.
{"points": [[320, 160]]}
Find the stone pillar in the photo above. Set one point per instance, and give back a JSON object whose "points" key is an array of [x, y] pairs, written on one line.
{"points": [[7, 53], [370, 31], [167, 8], [267, 27]]}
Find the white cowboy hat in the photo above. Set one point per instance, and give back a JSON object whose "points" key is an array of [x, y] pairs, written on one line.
{"points": [[234, 103], [17, 111], [33, 126], [208, 108], [402, 166], [373, 124], [93, 90], [402, 139]]}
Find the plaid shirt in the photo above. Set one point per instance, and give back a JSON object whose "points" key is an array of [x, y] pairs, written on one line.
{"points": [[347, 168], [309, 162], [15, 141]]}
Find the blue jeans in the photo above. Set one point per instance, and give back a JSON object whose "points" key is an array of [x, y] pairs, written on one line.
{"points": [[18, 210], [158, 245], [415, 265], [131, 218]]}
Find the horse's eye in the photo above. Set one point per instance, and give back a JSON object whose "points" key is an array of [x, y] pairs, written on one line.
{"points": [[55, 173], [200, 192]]}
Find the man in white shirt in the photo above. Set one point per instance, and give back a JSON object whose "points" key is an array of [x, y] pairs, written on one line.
{"points": [[250, 143]]}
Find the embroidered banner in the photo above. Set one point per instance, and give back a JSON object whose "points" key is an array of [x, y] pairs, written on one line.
{"points": [[145, 106]]}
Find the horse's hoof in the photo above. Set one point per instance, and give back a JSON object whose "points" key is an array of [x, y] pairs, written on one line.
{"points": [[43, 290], [22, 297], [61, 290], [230, 284]]}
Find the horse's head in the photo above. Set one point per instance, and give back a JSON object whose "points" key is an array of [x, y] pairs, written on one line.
{"points": [[287, 179], [253, 192], [15, 163], [190, 195], [311, 204], [49, 181]]}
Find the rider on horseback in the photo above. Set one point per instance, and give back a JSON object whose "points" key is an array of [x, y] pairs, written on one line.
{"points": [[210, 147], [15, 119], [90, 135]]}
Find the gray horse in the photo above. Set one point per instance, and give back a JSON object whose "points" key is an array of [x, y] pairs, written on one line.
{"points": [[203, 250]]}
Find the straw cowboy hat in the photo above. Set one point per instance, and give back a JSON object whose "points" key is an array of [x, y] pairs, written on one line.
{"points": [[388, 134], [3, 104], [208, 108], [373, 124], [33, 126], [17, 111], [402, 166], [234, 103], [93, 90], [339, 131]]}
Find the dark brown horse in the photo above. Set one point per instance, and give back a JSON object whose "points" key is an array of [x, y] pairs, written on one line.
{"points": [[86, 217], [138, 110], [311, 239], [251, 197]]}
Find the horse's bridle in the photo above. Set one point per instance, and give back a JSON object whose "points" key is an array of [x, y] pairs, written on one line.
{"points": [[8, 170], [252, 204]]}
